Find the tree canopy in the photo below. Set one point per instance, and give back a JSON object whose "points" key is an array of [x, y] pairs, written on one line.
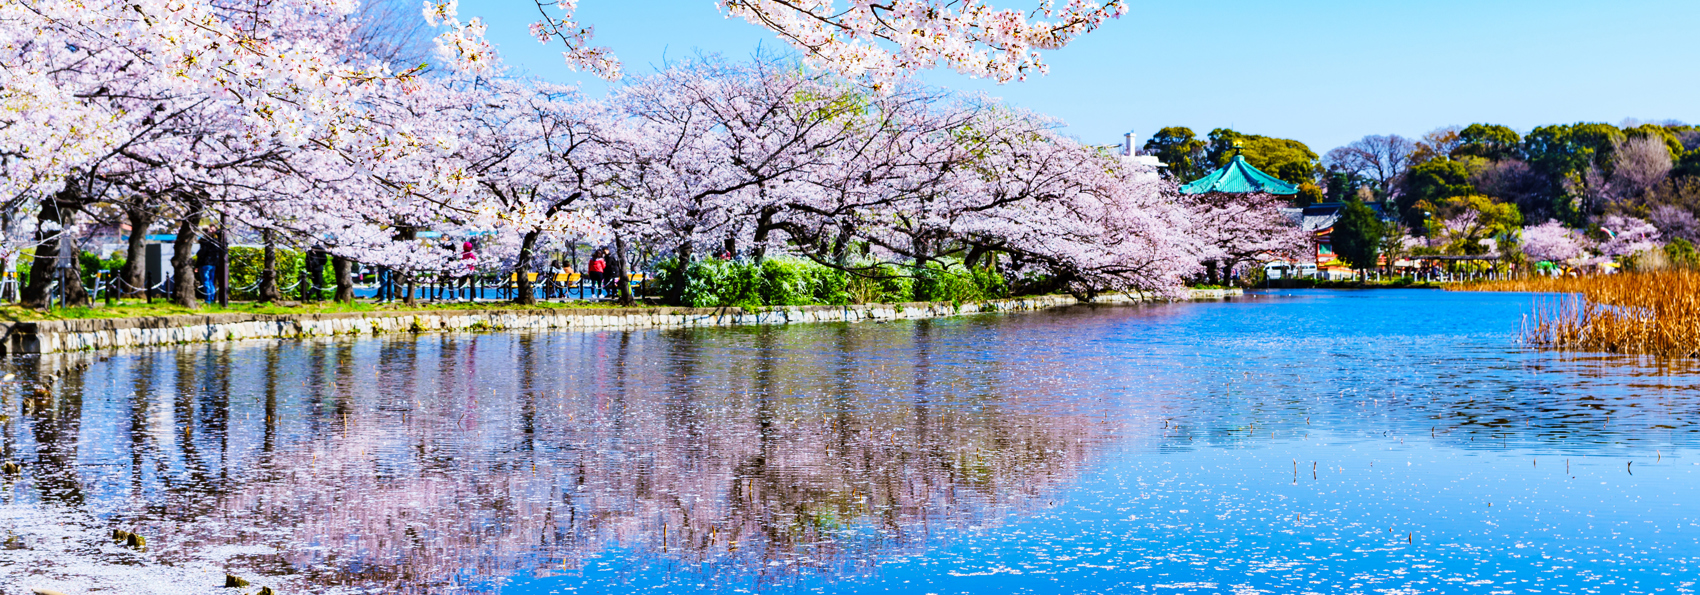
{"points": [[1180, 150], [1357, 235], [1287, 159]]}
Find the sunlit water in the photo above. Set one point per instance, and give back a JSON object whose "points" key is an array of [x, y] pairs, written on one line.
{"points": [[1327, 442]]}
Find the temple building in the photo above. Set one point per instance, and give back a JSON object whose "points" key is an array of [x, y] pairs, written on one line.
{"points": [[1239, 177]]}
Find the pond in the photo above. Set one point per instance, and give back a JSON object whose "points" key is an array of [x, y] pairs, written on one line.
{"points": [[1288, 442]]}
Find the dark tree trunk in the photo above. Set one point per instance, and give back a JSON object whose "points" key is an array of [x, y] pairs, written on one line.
{"points": [[344, 279], [620, 270], [522, 269], [135, 253], [268, 273], [681, 258], [58, 209], [223, 271], [34, 295], [405, 283], [764, 228], [183, 260], [841, 248], [974, 255]]}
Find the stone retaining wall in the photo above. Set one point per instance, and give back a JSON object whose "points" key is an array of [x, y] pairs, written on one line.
{"points": [[84, 335]]}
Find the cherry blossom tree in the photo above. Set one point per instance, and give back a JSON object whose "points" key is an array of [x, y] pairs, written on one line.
{"points": [[1553, 242], [880, 41], [170, 99], [288, 119], [1049, 205], [1238, 229], [1629, 235]]}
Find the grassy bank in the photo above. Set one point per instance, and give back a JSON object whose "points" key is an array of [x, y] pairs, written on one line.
{"points": [[140, 308], [1656, 313]]}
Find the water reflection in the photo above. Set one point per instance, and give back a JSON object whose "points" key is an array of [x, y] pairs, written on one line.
{"points": [[418, 464], [1318, 441]]}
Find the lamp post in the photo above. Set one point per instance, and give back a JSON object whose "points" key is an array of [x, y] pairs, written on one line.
{"points": [[1428, 231]]}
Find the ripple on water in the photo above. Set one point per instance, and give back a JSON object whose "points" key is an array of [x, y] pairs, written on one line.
{"points": [[1314, 442]]}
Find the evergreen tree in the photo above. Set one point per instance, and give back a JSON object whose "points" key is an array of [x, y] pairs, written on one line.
{"points": [[1357, 235]]}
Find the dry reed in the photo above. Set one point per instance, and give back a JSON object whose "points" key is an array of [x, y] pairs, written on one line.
{"points": [[1654, 313]]}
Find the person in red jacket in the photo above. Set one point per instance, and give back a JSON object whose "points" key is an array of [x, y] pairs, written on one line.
{"points": [[598, 269]]}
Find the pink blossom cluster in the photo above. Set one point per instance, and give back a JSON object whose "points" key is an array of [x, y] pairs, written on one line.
{"points": [[880, 42], [1553, 242], [1629, 235]]}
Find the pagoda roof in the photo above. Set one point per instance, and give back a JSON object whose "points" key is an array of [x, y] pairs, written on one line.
{"points": [[1241, 178]]}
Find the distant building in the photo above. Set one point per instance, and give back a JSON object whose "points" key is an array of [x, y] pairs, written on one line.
{"points": [[1318, 221], [1239, 177], [1147, 165]]}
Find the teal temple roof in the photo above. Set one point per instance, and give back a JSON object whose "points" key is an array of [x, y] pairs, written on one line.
{"points": [[1239, 177]]}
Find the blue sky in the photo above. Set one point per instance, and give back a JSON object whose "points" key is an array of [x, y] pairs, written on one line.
{"points": [[1324, 72]]}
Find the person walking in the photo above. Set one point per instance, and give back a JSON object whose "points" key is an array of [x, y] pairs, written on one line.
{"points": [[598, 268], [313, 273], [208, 257], [469, 261]]}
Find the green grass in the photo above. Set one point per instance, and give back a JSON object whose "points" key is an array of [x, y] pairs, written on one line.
{"points": [[140, 308]]}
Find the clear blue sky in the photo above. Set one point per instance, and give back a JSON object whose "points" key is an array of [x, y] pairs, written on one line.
{"points": [[1324, 72]]}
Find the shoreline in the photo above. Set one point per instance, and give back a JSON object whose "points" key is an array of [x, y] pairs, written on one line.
{"points": [[65, 336]]}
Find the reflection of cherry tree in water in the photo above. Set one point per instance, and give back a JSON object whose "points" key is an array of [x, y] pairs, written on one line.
{"points": [[408, 469]]}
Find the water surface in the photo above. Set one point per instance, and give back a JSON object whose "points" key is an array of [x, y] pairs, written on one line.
{"points": [[1328, 442]]}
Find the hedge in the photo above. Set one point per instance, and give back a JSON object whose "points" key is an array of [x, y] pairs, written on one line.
{"points": [[715, 283]]}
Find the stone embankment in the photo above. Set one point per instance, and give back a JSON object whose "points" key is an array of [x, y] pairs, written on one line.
{"points": [[60, 336]]}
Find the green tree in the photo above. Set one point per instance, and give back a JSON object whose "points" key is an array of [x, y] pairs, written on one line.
{"points": [[1475, 218], [1181, 150], [1429, 184], [1309, 194], [1489, 141], [1572, 161], [1563, 149], [1342, 186], [1287, 159], [1357, 236]]}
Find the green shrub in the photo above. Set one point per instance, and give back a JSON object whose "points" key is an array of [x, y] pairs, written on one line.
{"points": [[784, 283], [715, 283], [953, 283], [1682, 254], [246, 264], [887, 286], [25, 257], [92, 264]]}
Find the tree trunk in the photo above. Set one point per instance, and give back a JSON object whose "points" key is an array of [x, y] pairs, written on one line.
{"points": [[135, 253], [841, 248], [344, 280], [972, 260], [764, 228], [681, 258], [620, 270], [8, 292], [268, 273], [223, 267], [522, 269], [183, 260], [34, 295], [60, 210], [405, 284]]}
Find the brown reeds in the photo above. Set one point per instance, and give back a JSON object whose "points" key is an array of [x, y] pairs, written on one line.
{"points": [[1654, 313]]}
